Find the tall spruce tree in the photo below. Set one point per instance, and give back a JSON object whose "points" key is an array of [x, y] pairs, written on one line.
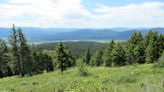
{"points": [[160, 62], [150, 36], [149, 53], [37, 65], [119, 57], [160, 44], [151, 43], [21, 53], [96, 59], [87, 56], [3, 59], [70, 58], [25, 58], [139, 52], [62, 57], [13, 40], [108, 54], [134, 49]]}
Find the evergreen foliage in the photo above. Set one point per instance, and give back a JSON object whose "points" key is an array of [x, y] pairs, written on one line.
{"points": [[96, 59], [62, 57], [108, 54], [81, 68], [119, 58], [87, 57], [20, 58], [161, 61], [134, 49]]}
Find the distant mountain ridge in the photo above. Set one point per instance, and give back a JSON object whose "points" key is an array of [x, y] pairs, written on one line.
{"points": [[57, 34]]}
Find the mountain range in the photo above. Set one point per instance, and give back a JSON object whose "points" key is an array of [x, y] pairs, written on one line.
{"points": [[67, 34]]}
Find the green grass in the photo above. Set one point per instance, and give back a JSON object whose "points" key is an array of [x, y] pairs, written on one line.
{"points": [[139, 78]]}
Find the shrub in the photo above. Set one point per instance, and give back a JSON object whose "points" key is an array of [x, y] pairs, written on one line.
{"points": [[81, 68], [160, 62]]}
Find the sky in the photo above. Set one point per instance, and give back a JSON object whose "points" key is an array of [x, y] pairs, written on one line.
{"points": [[82, 13]]}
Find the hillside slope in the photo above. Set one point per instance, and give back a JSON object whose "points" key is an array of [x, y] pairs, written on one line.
{"points": [[138, 78], [78, 47]]}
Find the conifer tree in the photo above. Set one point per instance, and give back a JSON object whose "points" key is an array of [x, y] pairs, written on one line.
{"points": [[36, 63], [25, 58], [139, 53], [38, 60], [70, 58], [160, 62], [151, 43], [3, 59], [108, 54], [87, 57], [21, 53], [13, 40], [150, 36], [160, 44], [61, 57], [149, 53], [81, 68], [134, 53], [119, 58], [48, 64], [96, 59]]}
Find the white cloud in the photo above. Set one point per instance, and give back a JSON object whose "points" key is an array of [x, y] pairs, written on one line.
{"points": [[46, 12], [71, 13], [141, 15]]}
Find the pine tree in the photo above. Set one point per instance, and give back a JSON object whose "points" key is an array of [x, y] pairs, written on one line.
{"points": [[87, 57], [149, 53], [3, 59], [134, 49], [160, 62], [160, 44], [129, 54], [48, 64], [25, 59], [163, 42], [96, 59], [62, 57], [7, 70], [13, 40], [151, 36], [151, 40], [36, 65], [21, 53], [139, 52], [119, 55], [70, 59], [37, 60], [108, 54], [81, 68]]}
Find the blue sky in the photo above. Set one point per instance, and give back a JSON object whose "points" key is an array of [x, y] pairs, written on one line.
{"points": [[82, 13], [92, 3]]}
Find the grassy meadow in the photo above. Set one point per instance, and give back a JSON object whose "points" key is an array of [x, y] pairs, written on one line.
{"points": [[134, 78]]}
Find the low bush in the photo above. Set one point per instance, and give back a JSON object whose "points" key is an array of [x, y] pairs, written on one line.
{"points": [[81, 68], [160, 62]]}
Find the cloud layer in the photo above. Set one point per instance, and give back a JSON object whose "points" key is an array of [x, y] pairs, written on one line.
{"points": [[71, 13]]}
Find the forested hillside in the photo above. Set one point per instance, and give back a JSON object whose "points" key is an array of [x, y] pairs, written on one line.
{"points": [[22, 59], [18, 58], [77, 47]]}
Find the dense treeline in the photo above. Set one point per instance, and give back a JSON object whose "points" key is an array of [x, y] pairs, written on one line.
{"points": [[137, 50], [75, 47], [20, 58]]}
